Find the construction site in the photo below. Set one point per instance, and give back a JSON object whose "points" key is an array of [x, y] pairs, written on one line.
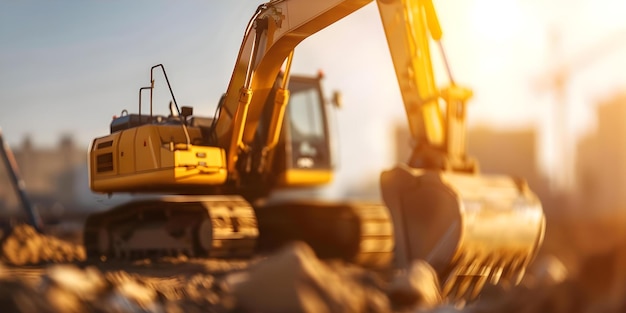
{"points": [[381, 179]]}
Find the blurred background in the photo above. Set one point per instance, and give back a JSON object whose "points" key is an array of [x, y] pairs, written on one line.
{"points": [[548, 105]]}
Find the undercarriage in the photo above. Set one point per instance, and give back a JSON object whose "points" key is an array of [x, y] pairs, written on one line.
{"points": [[229, 227]]}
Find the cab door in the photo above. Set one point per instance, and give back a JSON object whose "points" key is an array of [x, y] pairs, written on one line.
{"points": [[307, 152]]}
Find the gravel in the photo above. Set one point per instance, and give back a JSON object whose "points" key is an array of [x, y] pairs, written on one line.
{"points": [[23, 245], [44, 274], [41, 273]]}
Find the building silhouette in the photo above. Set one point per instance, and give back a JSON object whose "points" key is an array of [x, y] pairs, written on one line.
{"points": [[509, 152], [499, 152], [601, 160], [51, 176]]}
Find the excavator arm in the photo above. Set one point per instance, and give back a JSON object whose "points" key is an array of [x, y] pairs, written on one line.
{"points": [[482, 228], [405, 24], [439, 139]]}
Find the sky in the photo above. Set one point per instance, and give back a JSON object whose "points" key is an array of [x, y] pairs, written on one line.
{"points": [[67, 67]]}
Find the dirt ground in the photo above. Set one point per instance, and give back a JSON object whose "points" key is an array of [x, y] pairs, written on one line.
{"points": [[581, 268]]}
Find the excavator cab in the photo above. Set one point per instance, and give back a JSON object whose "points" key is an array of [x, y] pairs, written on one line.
{"points": [[304, 153]]}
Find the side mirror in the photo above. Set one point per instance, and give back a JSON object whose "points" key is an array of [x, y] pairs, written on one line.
{"points": [[337, 99]]}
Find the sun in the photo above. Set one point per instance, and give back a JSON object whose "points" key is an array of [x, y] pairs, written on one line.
{"points": [[497, 20]]}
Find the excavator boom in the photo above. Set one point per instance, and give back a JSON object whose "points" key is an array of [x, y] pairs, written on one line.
{"points": [[278, 27], [274, 31]]}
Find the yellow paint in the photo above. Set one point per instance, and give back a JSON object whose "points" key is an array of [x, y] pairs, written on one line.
{"points": [[302, 178], [143, 160]]}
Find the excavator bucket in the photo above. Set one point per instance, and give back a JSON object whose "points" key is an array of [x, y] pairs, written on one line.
{"points": [[472, 229]]}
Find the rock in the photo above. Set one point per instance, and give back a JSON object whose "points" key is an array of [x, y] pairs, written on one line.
{"points": [[199, 288], [137, 292], [17, 296], [546, 270], [294, 280], [132, 296], [70, 289], [87, 283], [23, 245], [417, 288]]}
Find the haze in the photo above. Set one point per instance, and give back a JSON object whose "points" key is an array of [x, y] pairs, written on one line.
{"points": [[66, 67]]}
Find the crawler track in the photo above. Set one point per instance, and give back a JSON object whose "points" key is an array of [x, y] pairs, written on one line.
{"points": [[208, 226], [359, 233], [229, 227]]}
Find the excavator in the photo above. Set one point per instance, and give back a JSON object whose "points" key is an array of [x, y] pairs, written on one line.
{"points": [[210, 182]]}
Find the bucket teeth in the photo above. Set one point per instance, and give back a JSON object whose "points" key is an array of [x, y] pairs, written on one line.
{"points": [[468, 277]]}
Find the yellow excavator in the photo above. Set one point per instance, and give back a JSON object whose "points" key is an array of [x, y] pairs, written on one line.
{"points": [[214, 178]]}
